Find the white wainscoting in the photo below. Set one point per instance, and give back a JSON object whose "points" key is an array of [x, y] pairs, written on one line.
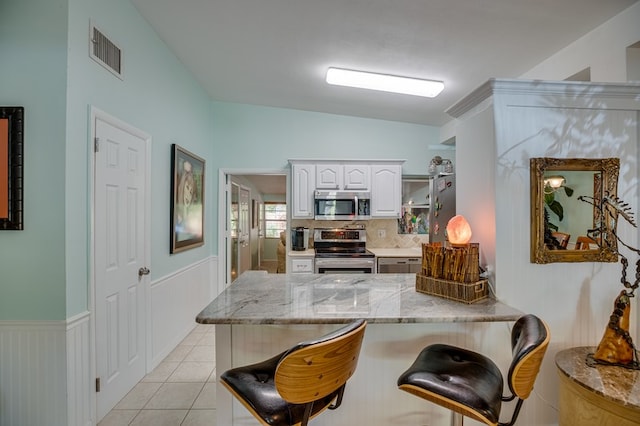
{"points": [[80, 386], [45, 366], [33, 368], [174, 302]]}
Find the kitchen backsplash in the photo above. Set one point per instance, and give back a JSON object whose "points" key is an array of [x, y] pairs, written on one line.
{"points": [[375, 231]]}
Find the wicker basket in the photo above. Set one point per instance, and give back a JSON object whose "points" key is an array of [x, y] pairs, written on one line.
{"points": [[453, 290]]}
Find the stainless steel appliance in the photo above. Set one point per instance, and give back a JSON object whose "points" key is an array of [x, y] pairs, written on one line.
{"points": [[427, 205], [442, 195], [342, 205], [299, 238], [399, 265], [342, 251]]}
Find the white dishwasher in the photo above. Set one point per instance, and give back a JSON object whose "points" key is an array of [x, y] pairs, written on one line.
{"points": [[399, 265]]}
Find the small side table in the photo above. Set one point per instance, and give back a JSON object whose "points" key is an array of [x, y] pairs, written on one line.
{"points": [[600, 396]]}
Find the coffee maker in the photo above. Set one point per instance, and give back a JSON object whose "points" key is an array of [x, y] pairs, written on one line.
{"points": [[299, 238]]}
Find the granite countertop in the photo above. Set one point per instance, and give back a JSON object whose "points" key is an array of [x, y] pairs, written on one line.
{"points": [[302, 253], [260, 298], [618, 384], [396, 252]]}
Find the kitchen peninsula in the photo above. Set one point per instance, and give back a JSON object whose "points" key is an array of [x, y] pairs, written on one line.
{"points": [[262, 314]]}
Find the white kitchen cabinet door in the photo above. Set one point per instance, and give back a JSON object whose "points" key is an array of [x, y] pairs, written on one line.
{"points": [[386, 190], [342, 177], [356, 177], [329, 176], [303, 177]]}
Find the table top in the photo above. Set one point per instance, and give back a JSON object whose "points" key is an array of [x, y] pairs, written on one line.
{"points": [[260, 298], [617, 384]]}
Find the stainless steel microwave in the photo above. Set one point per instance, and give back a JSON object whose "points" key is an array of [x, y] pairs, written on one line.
{"points": [[342, 205]]}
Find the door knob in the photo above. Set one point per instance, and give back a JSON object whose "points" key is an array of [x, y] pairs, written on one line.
{"points": [[143, 271]]}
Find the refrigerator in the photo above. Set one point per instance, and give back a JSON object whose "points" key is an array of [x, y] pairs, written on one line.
{"points": [[428, 202]]}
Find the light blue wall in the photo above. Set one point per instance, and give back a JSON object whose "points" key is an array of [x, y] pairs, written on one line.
{"points": [[259, 137], [157, 96], [249, 136], [47, 69], [33, 47], [45, 269]]}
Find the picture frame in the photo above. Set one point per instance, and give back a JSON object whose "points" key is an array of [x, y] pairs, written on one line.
{"points": [[187, 199], [11, 167]]}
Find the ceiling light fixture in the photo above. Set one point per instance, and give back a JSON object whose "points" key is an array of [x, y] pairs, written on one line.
{"points": [[553, 183], [385, 83]]}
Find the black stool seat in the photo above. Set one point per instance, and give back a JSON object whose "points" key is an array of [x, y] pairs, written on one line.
{"points": [[255, 385], [471, 384], [456, 374], [298, 384]]}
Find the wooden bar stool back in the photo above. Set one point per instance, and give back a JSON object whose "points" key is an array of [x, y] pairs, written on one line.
{"points": [[300, 383], [471, 384]]}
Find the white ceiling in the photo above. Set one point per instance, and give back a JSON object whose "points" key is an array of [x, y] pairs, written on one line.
{"points": [[269, 184], [276, 52]]}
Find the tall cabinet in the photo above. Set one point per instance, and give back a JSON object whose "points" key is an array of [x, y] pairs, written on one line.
{"points": [[303, 183], [386, 190]]}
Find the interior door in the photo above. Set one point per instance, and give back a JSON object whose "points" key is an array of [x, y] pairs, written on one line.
{"points": [[234, 215], [244, 238], [120, 273]]}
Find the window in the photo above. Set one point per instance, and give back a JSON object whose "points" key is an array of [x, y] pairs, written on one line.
{"points": [[275, 219]]}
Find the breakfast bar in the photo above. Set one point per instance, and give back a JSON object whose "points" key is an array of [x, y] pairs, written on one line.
{"points": [[262, 314]]}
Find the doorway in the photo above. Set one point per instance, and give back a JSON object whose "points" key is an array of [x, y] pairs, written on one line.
{"points": [[120, 256], [244, 243]]}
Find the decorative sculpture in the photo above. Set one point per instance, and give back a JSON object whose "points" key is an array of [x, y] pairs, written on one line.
{"points": [[616, 346]]}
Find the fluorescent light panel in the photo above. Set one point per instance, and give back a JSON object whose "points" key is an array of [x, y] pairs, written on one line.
{"points": [[385, 83]]}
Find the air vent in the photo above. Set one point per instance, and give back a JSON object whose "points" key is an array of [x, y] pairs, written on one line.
{"points": [[105, 52]]}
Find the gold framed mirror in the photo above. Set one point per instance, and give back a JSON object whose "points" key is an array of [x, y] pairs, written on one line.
{"points": [[568, 223]]}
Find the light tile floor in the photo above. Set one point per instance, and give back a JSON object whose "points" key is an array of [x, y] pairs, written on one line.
{"points": [[180, 391]]}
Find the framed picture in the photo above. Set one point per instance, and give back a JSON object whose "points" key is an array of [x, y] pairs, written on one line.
{"points": [[11, 167], [187, 199]]}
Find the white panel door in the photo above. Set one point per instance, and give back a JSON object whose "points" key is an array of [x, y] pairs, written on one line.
{"points": [[119, 268], [244, 237]]}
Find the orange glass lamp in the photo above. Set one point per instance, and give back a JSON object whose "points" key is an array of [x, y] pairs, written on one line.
{"points": [[458, 231]]}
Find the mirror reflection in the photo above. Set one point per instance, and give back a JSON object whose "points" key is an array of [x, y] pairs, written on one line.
{"points": [[566, 223]]}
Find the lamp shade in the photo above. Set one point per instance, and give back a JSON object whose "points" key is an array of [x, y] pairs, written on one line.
{"points": [[555, 181], [458, 230]]}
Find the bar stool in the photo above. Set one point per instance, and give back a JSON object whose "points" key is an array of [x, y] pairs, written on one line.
{"points": [[301, 382], [471, 384]]}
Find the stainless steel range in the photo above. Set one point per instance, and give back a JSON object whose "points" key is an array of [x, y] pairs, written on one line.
{"points": [[342, 251]]}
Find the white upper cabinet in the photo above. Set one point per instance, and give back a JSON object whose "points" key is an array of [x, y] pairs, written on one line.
{"points": [[356, 177], [383, 178], [386, 190], [348, 177], [329, 176], [303, 183]]}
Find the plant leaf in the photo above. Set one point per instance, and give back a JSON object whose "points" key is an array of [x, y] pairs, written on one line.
{"points": [[556, 207], [548, 198], [568, 191]]}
